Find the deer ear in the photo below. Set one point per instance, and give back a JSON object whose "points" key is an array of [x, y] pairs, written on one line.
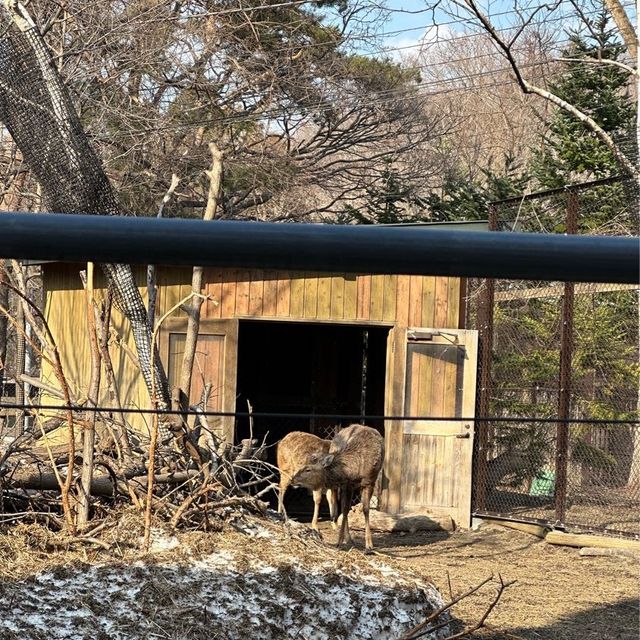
{"points": [[327, 460]]}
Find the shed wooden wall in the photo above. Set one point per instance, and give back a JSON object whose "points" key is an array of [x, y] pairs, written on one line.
{"points": [[415, 301], [394, 300], [66, 314]]}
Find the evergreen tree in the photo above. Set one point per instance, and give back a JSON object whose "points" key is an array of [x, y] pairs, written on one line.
{"points": [[390, 200], [465, 199], [570, 151]]}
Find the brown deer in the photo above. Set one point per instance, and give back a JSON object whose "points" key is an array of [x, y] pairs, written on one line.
{"points": [[294, 451], [353, 462]]}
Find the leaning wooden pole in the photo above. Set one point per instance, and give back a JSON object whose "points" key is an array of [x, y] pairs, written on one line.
{"points": [[89, 432], [564, 396]]}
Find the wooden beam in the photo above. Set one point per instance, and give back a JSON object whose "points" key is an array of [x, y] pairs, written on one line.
{"points": [[558, 290], [589, 540]]}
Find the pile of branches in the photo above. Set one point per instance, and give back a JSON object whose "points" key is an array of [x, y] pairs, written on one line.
{"points": [[197, 478]]}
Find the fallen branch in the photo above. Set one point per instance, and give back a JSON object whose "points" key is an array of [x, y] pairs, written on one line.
{"points": [[431, 624]]}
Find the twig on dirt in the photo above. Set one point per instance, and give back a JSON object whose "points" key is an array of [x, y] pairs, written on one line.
{"points": [[415, 632], [478, 625], [80, 540]]}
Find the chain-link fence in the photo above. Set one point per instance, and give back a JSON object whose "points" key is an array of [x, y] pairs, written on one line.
{"points": [[565, 351]]}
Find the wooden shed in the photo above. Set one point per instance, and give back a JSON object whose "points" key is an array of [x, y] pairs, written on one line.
{"points": [[316, 344]]}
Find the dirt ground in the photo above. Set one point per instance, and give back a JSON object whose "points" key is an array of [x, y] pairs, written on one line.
{"points": [[559, 595]]}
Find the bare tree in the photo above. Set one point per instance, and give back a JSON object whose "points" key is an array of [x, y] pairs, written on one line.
{"points": [[36, 109], [508, 40], [303, 122]]}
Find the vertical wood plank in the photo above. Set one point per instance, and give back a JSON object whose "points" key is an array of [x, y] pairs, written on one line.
{"points": [[230, 371], [446, 471], [364, 297], [337, 297], [377, 293], [465, 446], [171, 297], [453, 303], [256, 292], [450, 381], [425, 399], [442, 301], [415, 301], [437, 386], [311, 295], [389, 292], [350, 297], [229, 285], [213, 287], [428, 301], [394, 429], [414, 381], [323, 310], [462, 308], [283, 295], [243, 284], [435, 452], [270, 293], [297, 295], [403, 301]]}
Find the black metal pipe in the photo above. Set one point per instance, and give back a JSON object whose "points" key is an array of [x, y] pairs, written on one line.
{"points": [[328, 248]]}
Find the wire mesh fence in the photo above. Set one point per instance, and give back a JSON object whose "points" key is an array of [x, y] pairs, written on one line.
{"points": [[561, 350], [601, 490]]}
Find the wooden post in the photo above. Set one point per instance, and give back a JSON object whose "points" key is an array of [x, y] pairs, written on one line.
{"points": [[20, 355], [484, 391], [4, 304], [89, 432], [564, 396]]}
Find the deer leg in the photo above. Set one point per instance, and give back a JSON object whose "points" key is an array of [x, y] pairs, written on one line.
{"points": [[345, 534], [284, 485], [317, 498], [333, 507], [366, 500]]}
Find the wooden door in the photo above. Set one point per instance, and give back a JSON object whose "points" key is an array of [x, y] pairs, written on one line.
{"points": [[215, 367], [429, 462]]}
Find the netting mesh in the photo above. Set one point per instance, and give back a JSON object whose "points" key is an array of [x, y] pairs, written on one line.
{"points": [[592, 368], [36, 109]]}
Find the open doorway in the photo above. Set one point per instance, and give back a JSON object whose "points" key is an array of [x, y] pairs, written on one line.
{"points": [[308, 368]]}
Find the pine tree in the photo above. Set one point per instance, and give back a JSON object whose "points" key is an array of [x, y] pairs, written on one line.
{"points": [[464, 199], [390, 200], [570, 151]]}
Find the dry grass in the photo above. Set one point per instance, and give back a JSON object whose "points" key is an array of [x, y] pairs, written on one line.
{"points": [[256, 578], [559, 595]]}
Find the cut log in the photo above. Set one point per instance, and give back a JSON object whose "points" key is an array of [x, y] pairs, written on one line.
{"points": [[596, 551], [526, 527], [589, 540], [101, 485]]}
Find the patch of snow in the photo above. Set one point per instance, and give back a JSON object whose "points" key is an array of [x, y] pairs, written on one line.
{"points": [[160, 541], [224, 594]]}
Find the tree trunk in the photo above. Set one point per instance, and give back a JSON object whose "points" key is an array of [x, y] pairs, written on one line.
{"points": [[37, 110], [4, 303], [193, 321], [89, 433], [621, 18], [18, 366]]}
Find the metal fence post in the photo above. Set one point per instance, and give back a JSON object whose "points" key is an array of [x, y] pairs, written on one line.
{"points": [[564, 396], [484, 392]]}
